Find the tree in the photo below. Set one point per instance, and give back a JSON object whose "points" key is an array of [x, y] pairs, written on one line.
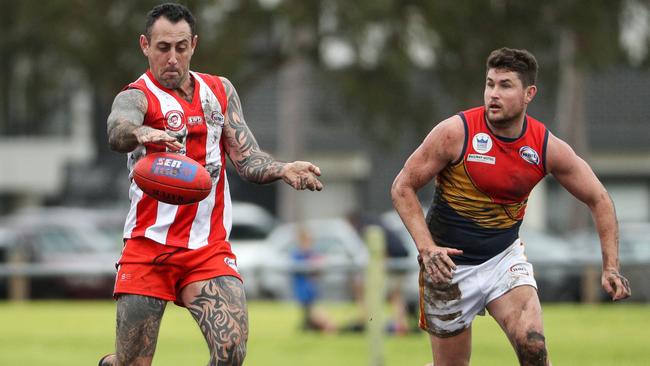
{"points": [[392, 64]]}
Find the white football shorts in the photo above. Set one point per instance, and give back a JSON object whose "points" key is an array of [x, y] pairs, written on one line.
{"points": [[447, 310]]}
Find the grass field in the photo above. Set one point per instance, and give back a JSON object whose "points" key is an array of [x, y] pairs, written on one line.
{"points": [[78, 333]]}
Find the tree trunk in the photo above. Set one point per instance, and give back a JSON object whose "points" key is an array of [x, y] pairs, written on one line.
{"points": [[571, 118], [293, 113]]}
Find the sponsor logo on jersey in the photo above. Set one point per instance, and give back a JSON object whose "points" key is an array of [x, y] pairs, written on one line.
{"points": [[174, 120], [519, 269], [482, 158], [194, 120], [482, 143], [527, 153], [217, 118], [231, 263], [174, 169]]}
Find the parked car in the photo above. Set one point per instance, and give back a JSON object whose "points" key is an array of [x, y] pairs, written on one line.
{"points": [[634, 256], [67, 255], [558, 270], [342, 253], [251, 225]]}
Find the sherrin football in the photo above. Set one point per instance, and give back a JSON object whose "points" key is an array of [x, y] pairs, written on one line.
{"points": [[172, 178]]}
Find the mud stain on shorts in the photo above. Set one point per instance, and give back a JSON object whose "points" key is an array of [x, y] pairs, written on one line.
{"points": [[448, 317], [436, 294]]}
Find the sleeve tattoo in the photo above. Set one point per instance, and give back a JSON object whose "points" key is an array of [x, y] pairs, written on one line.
{"points": [[251, 162], [127, 114]]}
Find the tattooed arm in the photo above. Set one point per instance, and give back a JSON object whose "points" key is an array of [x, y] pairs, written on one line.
{"points": [[125, 124], [251, 162]]}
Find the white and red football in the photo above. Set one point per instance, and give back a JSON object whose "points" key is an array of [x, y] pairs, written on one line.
{"points": [[172, 178]]}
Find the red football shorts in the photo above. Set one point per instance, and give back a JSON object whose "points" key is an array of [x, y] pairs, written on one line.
{"points": [[161, 271]]}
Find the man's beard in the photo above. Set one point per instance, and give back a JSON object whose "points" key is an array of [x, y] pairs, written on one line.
{"points": [[504, 121], [173, 83]]}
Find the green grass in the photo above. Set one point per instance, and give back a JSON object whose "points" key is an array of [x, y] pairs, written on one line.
{"points": [[78, 333]]}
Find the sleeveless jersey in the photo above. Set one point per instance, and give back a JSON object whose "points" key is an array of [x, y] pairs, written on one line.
{"points": [[198, 127], [480, 200]]}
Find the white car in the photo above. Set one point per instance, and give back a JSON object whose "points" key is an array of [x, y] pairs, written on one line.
{"points": [[251, 225], [634, 256], [342, 256]]}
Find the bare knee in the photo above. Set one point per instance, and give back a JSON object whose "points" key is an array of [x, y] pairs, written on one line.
{"points": [[531, 349]]}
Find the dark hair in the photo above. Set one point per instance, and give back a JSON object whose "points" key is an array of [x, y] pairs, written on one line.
{"points": [[520, 61], [172, 12]]}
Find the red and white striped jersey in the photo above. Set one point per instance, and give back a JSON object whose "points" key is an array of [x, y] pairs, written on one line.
{"points": [[198, 126]]}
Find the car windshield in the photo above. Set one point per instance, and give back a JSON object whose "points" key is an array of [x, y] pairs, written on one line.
{"points": [[55, 240], [328, 245], [249, 232]]}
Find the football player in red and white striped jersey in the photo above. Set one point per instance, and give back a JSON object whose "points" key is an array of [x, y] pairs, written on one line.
{"points": [[181, 253]]}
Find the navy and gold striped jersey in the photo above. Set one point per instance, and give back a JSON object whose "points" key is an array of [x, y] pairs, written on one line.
{"points": [[480, 200]]}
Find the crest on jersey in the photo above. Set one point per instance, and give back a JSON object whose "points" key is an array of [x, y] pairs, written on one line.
{"points": [[217, 118], [174, 120], [482, 143], [529, 154]]}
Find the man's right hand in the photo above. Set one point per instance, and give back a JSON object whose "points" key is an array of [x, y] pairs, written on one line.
{"points": [[146, 134], [437, 263], [617, 286]]}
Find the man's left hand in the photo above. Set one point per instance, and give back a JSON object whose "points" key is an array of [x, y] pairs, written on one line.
{"points": [[302, 175], [617, 286]]}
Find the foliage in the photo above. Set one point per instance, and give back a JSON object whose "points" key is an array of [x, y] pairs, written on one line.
{"points": [[383, 83]]}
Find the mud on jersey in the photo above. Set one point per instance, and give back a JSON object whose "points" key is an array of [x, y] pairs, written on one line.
{"points": [[480, 200]]}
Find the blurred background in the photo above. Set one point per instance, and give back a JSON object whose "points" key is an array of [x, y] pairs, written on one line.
{"points": [[353, 87]]}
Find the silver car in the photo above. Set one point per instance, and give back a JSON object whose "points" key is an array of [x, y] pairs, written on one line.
{"points": [[251, 225], [341, 252], [634, 256], [64, 253]]}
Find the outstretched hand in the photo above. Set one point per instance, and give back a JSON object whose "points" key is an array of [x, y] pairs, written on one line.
{"points": [[146, 134], [302, 175], [617, 286], [438, 265]]}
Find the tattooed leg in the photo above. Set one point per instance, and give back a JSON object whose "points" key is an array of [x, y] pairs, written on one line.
{"points": [[138, 322], [219, 308]]}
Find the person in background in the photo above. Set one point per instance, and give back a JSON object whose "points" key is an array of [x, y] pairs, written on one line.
{"points": [[308, 265]]}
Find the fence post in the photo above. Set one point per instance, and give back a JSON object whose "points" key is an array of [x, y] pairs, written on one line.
{"points": [[375, 293], [590, 286], [18, 284]]}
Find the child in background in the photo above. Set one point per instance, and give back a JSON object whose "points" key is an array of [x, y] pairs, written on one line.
{"points": [[308, 264]]}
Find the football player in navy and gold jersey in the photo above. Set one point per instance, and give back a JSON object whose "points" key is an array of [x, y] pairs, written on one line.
{"points": [[486, 161]]}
